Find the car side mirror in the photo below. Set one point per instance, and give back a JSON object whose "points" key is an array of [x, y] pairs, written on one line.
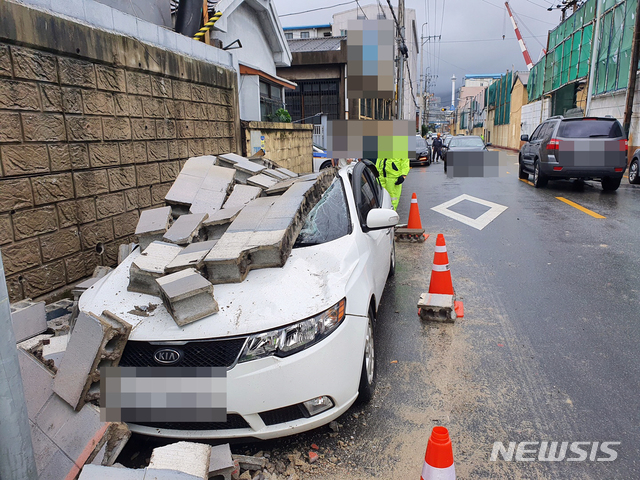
{"points": [[380, 218], [524, 138]]}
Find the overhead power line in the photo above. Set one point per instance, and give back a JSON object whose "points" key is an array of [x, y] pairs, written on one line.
{"points": [[316, 9]]}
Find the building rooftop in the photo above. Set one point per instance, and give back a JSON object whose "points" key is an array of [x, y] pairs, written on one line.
{"points": [[304, 27], [485, 75], [321, 44]]}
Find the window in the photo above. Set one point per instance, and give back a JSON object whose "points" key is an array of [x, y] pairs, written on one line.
{"points": [[536, 133], [288, 35], [590, 128], [343, 33], [304, 34], [327, 34], [328, 220], [270, 100]]}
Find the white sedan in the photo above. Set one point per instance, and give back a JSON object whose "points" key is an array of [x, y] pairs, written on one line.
{"points": [[297, 342]]}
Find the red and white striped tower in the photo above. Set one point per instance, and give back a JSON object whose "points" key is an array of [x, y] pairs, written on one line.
{"points": [[523, 47]]}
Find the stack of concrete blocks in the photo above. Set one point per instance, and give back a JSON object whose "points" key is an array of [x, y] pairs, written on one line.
{"points": [[201, 186], [176, 461], [96, 341], [263, 233], [152, 226], [261, 180], [187, 296], [244, 167], [437, 307], [192, 256], [282, 186], [150, 266], [218, 222], [63, 439], [28, 318]]}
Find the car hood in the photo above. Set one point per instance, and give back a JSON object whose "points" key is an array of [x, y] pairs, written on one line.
{"points": [[313, 279], [466, 149]]}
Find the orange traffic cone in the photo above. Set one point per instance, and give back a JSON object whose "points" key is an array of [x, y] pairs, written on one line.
{"points": [[438, 461], [440, 274], [414, 214]]}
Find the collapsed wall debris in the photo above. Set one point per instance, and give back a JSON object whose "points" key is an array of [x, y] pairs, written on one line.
{"points": [[217, 211], [96, 342]]}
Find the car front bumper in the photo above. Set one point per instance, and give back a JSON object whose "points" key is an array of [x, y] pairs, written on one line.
{"points": [[331, 367]]}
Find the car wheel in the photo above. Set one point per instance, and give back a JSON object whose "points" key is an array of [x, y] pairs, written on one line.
{"points": [[539, 180], [368, 375], [634, 174], [392, 264], [610, 184], [521, 172], [326, 164]]}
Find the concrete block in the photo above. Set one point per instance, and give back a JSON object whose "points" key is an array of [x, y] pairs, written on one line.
{"points": [[33, 343], [220, 462], [124, 23], [437, 307], [54, 348], [28, 319], [218, 222], [150, 265], [99, 472], [263, 233], [191, 257], [37, 381], [262, 181], [241, 195], [185, 228], [187, 457], [124, 251], [280, 187], [95, 342], [287, 172], [155, 474], [200, 173], [152, 226], [275, 174], [43, 448], [248, 462], [187, 296], [60, 466], [98, 15], [231, 159]]}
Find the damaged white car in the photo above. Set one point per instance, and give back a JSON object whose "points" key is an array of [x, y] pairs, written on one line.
{"points": [[297, 341]]}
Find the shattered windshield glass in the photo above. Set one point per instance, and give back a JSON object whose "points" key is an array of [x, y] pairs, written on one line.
{"points": [[328, 220]]}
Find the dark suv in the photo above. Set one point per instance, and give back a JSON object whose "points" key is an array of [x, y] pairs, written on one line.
{"points": [[583, 148]]}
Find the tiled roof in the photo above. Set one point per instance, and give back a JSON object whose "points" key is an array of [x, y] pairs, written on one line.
{"points": [[320, 44]]}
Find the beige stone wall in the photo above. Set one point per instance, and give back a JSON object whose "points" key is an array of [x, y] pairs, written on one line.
{"points": [[86, 144], [287, 144]]}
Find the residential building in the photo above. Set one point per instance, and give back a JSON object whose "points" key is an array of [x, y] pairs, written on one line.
{"points": [[306, 32], [380, 109], [263, 48]]}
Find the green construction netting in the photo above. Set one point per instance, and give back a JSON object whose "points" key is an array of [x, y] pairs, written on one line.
{"points": [[498, 95], [570, 45]]}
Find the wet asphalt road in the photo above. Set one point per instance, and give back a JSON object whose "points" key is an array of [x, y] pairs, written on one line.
{"points": [[548, 350]]}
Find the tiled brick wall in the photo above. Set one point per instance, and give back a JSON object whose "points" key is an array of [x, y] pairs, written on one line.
{"points": [[84, 147]]}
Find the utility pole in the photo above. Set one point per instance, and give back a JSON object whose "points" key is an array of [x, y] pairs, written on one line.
{"points": [[633, 73], [401, 50], [16, 450]]}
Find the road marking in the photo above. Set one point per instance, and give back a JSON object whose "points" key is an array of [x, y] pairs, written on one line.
{"points": [[527, 181], [479, 223], [625, 176], [581, 208]]}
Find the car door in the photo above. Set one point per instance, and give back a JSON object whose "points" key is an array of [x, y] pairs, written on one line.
{"points": [[527, 153], [375, 247]]}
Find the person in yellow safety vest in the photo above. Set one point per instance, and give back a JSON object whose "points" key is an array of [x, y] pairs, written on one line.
{"points": [[393, 171]]}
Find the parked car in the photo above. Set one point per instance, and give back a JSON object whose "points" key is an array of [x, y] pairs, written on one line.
{"points": [[423, 153], [320, 159], [462, 143], [634, 168], [297, 342], [582, 148]]}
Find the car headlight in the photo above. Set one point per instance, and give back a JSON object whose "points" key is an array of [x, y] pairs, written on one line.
{"points": [[293, 338]]}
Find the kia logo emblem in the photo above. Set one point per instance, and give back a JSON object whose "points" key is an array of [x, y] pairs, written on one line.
{"points": [[167, 356]]}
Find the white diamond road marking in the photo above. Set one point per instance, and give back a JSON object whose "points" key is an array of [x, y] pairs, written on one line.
{"points": [[479, 223]]}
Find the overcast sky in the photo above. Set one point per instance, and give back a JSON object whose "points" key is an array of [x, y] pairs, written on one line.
{"points": [[471, 32]]}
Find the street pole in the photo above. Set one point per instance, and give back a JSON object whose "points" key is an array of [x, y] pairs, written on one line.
{"points": [[401, 62], [633, 73], [594, 56], [16, 450]]}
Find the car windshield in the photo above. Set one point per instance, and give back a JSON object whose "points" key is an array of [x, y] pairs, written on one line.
{"points": [[420, 143], [589, 128], [328, 220], [466, 142]]}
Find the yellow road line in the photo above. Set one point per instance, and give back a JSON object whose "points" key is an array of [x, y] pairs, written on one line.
{"points": [[527, 181], [581, 208], [625, 176]]}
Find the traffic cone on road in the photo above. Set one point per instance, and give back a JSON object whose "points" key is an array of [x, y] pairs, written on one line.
{"points": [[438, 460], [414, 213], [440, 274]]}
